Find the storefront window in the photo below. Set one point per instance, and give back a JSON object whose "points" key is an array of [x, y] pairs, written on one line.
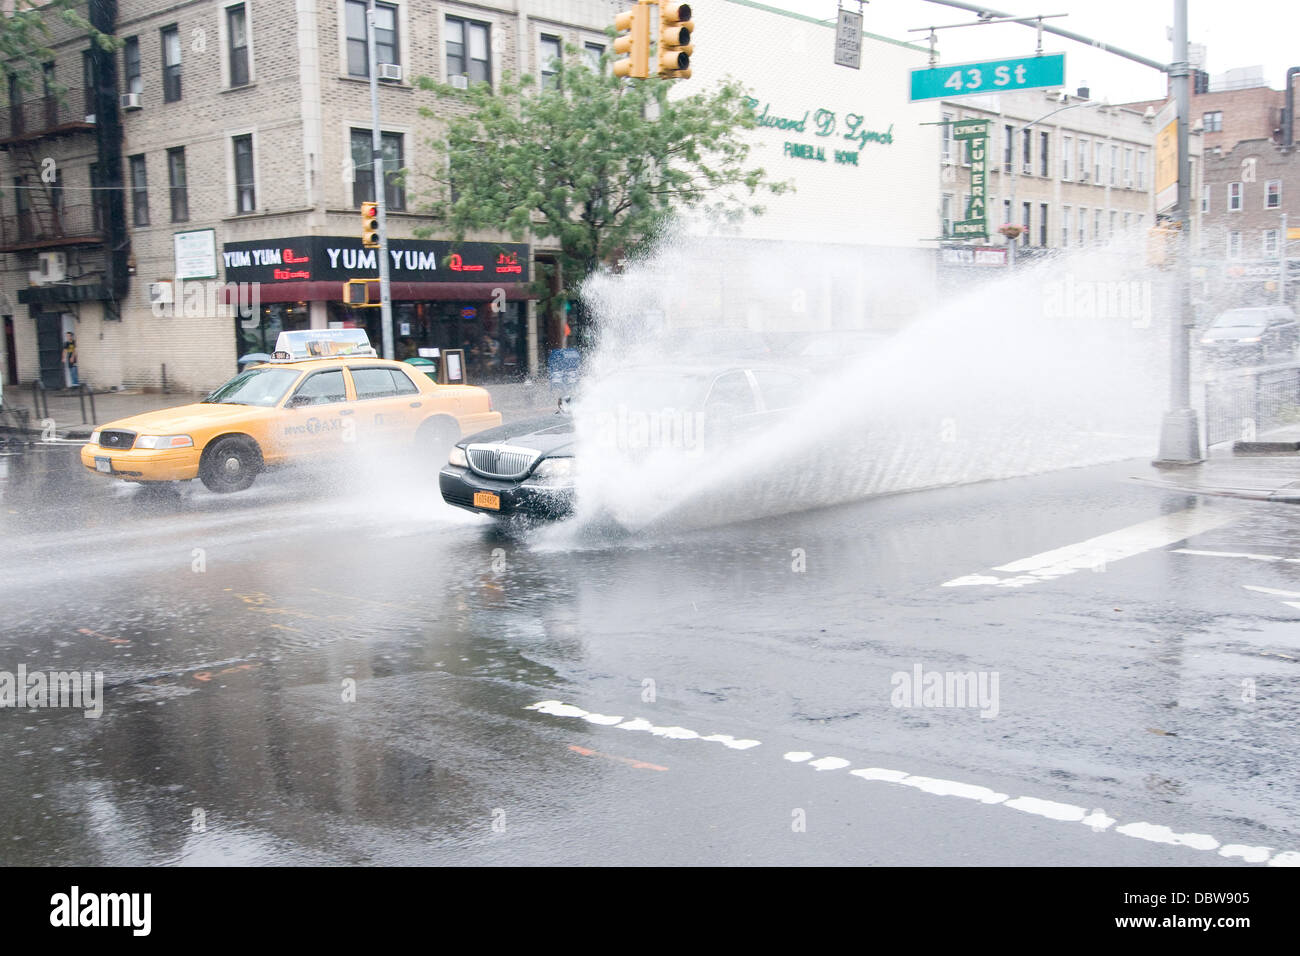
{"points": [[494, 343], [273, 319]]}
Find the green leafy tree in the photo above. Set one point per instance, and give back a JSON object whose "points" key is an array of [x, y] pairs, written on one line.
{"points": [[592, 162], [26, 34]]}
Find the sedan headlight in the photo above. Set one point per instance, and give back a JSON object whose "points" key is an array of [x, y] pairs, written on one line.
{"points": [[553, 471], [457, 457], [164, 441]]}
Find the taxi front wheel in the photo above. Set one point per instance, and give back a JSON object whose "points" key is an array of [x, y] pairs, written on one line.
{"points": [[436, 436], [229, 464]]}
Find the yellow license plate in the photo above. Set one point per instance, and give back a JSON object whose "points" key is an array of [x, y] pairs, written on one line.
{"points": [[485, 499]]}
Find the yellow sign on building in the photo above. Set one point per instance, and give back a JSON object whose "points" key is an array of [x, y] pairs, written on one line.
{"points": [[1167, 157]]}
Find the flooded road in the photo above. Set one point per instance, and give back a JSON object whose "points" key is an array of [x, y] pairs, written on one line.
{"points": [[342, 669]]}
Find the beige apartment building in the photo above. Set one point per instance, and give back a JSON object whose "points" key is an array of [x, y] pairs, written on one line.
{"points": [[222, 154], [1071, 171]]}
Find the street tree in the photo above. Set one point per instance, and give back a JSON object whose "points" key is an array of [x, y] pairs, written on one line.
{"points": [[597, 164], [26, 33]]}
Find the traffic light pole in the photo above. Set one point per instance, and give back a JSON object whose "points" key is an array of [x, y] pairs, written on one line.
{"points": [[377, 168], [1180, 432]]}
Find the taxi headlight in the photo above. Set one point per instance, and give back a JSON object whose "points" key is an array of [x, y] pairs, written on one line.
{"points": [[94, 438], [457, 457], [164, 441], [553, 471]]}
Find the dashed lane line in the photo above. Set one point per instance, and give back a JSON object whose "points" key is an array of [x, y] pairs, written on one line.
{"points": [[1095, 820]]}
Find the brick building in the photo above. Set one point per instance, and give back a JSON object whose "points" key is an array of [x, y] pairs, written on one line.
{"points": [[228, 142]]}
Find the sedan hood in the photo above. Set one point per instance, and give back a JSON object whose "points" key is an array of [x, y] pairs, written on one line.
{"points": [[1231, 333], [182, 419], [549, 434]]}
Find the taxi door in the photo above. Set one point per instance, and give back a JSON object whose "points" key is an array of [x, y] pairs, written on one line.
{"points": [[318, 419], [388, 404]]}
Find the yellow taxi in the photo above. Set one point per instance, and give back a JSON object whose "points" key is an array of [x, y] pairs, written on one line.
{"points": [[290, 409]]}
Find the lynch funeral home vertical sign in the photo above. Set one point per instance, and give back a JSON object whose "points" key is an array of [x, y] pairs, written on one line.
{"points": [[976, 223]]}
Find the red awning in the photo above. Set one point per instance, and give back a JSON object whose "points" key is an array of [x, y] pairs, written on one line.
{"points": [[331, 291]]}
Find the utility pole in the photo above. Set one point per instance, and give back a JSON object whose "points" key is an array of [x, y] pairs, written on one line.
{"points": [[381, 205], [1180, 433], [1281, 279]]}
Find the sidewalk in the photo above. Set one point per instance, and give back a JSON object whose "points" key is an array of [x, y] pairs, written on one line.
{"points": [[1271, 472], [514, 400]]}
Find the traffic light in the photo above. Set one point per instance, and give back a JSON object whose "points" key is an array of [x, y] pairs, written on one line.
{"points": [[635, 42], [357, 292], [370, 225], [675, 46]]}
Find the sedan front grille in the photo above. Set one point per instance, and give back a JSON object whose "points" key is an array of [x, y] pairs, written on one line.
{"points": [[501, 461], [115, 439]]}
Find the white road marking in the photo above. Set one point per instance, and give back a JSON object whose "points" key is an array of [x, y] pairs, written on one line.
{"points": [[1274, 591], [1097, 820], [1102, 550], [1235, 554]]}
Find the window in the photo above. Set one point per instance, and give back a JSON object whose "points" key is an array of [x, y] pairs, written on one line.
{"points": [[1270, 244], [131, 65], [1273, 194], [1066, 223], [467, 50], [1205, 199], [386, 47], [1066, 151], [1024, 222], [1027, 143], [1114, 165], [323, 388], [237, 33], [180, 190], [947, 137], [1083, 226], [1234, 197], [592, 52], [363, 179], [1084, 164], [22, 205], [171, 54], [88, 80], [945, 213], [1142, 169], [97, 209], [549, 49], [1096, 225], [1009, 148], [1126, 217], [1042, 224], [1043, 168], [373, 383], [139, 191], [1213, 122], [1234, 245], [56, 194], [15, 106], [1098, 151], [1128, 166], [1114, 219], [245, 191]]}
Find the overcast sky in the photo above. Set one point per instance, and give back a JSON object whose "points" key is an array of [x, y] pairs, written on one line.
{"points": [[1235, 33]]}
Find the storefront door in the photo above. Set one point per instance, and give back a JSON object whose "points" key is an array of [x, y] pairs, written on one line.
{"points": [[49, 348]]}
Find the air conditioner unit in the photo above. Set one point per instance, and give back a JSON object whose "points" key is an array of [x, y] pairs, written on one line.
{"points": [[460, 82], [90, 118], [1027, 169], [160, 293], [51, 267], [1128, 184], [130, 101], [1083, 177], [390, 72]]}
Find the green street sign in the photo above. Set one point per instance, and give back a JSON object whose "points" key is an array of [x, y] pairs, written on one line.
{"points": [[994, 76]]}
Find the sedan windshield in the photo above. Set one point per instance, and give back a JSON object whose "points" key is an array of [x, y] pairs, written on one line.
{"points": [[645, 389], [1240, 319], [256, 386]]}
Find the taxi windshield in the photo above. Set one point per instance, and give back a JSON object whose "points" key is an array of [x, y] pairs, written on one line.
{"points": [[254, 386]]}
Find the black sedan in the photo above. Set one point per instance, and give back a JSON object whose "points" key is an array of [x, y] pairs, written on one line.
{"points": [[528, 468]]}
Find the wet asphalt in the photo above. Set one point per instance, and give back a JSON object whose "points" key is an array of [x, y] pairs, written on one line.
{"points": [[340, 669]]}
